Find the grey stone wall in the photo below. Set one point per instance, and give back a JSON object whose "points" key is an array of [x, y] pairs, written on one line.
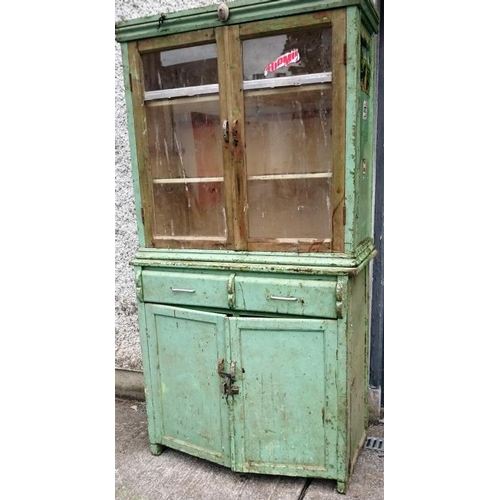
{"points": [[127, 345]]}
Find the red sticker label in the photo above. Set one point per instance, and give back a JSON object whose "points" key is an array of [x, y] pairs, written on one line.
{"points": [[283, 61]]}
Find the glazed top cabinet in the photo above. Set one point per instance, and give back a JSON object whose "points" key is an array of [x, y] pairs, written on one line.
{"points": [[251, 133]]}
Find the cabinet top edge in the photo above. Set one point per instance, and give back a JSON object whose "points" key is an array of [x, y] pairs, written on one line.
{"points": [[241, 11]]}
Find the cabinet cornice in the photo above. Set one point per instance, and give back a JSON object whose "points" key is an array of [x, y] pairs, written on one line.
{"points": [[241, 11]]}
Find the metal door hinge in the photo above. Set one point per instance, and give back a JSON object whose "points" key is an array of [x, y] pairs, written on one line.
{"points": [[225, 131], [130, 81], [142, 215], [344, 214], [345, 54]]}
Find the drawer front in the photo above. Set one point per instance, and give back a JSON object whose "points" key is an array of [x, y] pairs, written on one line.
{"points": [[195, 289], [303, 297]]}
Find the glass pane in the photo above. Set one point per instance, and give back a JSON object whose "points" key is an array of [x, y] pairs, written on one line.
{"points": [[289, 162], [290, 208], [185, 158], [299, 53], [177, 68], [288, 133], [189, 209], [184, 138]]}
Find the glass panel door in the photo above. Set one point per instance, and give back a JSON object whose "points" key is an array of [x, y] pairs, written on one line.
{"points": [[185, 144], [288, 129]]}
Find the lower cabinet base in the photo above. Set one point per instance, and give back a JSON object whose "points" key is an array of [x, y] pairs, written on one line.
{"points": [[340, 485], [279, 395], [157, 449]]}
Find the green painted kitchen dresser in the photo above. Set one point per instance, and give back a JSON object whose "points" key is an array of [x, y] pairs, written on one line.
{"points": [[251, 134]]}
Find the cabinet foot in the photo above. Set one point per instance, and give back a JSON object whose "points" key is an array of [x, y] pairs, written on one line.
{"points": [[341, 486], [157, 449]]}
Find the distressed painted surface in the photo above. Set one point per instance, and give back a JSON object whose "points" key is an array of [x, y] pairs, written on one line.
{"points": [[365, 158], [299, 408], [200, 289], [285, 414], [242, 11], [285, 295], [191, 412], [352, 107], [357, 337]]}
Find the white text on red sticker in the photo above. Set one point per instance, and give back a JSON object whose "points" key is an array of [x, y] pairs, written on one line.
{"points": [[282, 61]]}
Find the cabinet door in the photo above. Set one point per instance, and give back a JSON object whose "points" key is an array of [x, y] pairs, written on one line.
{"points": [[285, 412], [240, 135], [185, 347], [292, 97], [181, 148]]}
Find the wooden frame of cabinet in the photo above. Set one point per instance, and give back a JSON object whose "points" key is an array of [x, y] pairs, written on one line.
{"points": [[230, 94], [255, 347]]}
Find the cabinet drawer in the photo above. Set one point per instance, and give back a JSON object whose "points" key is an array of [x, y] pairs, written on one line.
{"points": [[175, 287], [305, 297]]}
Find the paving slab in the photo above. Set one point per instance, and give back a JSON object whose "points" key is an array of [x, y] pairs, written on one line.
{"points": [[173, 475]]}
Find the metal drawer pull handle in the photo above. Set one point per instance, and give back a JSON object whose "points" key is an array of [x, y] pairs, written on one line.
{"points": [[185, 290], [290, 299]]}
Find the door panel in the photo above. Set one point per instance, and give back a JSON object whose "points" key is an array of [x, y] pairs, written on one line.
{"points": [[187, 345], [288, 126], [184, 157], [285, 410]]}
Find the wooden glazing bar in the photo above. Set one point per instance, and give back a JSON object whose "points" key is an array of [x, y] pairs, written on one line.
{"points": [[183, 100], [338, 127], [287, 81], [192, 238], [177, 41], [236, 125], [223, 70], [289, 245], [133, 143], [194, 244], [181, 92], [146, 188]]}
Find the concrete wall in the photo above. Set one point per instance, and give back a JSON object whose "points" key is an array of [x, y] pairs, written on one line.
{"points": [[127, 346]]}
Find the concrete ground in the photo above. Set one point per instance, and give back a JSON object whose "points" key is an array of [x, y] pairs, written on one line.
{"points": [[173, 475]]}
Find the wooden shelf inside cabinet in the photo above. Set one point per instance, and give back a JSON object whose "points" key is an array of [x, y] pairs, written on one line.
{"points": [[279, 177], [188, 180]]}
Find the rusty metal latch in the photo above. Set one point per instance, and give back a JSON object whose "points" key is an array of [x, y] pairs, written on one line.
{"points": [[228, 379], [225, 131]]}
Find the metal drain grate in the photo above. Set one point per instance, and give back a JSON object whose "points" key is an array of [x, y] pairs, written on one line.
{"points": [[374, 443]]}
